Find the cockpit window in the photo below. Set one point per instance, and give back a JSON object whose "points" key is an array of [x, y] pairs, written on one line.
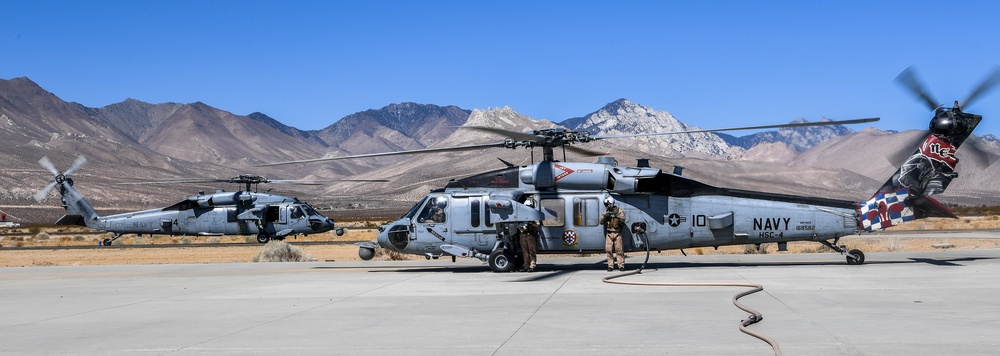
{"points": [[413, 211], [310, 211], [434, 211], [296, 212]]}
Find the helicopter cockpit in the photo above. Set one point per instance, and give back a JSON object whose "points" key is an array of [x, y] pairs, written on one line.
{"points": [[434, 212], [430, 214]]}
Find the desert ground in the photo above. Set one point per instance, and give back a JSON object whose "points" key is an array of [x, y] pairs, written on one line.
{"points": [[25, 247]]}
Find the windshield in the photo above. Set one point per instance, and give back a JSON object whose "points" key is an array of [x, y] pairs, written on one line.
{"points": [[309, 210], [413, 210]]}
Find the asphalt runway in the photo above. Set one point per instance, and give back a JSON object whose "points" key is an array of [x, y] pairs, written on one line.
{"points": [[913, 303]]}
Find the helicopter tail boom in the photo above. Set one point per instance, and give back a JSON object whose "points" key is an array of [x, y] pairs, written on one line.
{"points": [[78, 210]]}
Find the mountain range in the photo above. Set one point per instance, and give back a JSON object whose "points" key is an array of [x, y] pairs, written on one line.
{"points": [[137, 140]]}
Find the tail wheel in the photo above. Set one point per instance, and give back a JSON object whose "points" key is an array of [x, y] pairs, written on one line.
{"points": [[501, 261], [855, 257]]}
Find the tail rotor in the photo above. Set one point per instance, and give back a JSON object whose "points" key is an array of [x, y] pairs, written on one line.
{"points": [[57, 178]]}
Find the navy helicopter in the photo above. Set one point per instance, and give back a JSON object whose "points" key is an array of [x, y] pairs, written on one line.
{"points": [[244, 212], [477, 216]]}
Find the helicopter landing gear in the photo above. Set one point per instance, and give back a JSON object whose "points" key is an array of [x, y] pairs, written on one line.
{"points": [[108, 242], [501, 260], [854, 257], [263, 238]]}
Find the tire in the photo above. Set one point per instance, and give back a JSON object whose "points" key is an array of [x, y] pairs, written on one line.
{"points": [[501, 261], [262, 238], [856, 261]]}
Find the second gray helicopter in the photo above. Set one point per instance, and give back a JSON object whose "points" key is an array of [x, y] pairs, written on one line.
{"points": [[244, 212]]}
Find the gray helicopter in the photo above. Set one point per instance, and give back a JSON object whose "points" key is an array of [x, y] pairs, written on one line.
{"points": [[244, 212], [478, 216]]}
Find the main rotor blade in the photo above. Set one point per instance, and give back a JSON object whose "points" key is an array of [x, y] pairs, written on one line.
{"points": [[181, 180], [584, 151], [908, 79], [80, 161], [322, 182], [797, 124], [420, 151], [988, 84], [505, 133], [276, 181], [47, 164], [44, 193]]}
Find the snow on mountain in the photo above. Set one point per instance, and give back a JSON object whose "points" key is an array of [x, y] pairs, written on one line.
{"points": [[623, 117]]}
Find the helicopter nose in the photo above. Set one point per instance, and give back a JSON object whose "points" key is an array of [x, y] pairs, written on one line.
{"points": [[383, 238]]}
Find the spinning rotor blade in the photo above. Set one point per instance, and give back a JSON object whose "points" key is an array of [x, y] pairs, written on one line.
{"points": [[897, 159], [799, 124], [908, 78], [80, 161], [47, 164], [425, 150], [988, 84], [44, 193], [978, 151]]}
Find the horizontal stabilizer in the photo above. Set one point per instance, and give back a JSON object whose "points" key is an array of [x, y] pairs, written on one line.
{"points": [[71, 220], [927, 207]]}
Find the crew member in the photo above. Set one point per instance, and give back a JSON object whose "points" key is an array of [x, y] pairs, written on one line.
{"points": [[435, 211], [526, 234], [613, 221]]}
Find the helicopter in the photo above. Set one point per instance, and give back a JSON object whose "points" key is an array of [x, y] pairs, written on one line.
{"points": [[244, 212], [477, 216]]}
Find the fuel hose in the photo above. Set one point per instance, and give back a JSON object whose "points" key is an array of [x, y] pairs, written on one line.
{"points": [[753, 317]]}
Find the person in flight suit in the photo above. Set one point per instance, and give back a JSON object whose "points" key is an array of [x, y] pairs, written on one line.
{"points": [[526, 234], [613, 221]]}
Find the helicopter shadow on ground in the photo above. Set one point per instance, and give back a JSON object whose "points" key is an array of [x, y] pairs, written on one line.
{"points": [[549, 271]]}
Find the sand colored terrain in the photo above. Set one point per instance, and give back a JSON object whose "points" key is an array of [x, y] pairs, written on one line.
{"points": [[236, 249]]}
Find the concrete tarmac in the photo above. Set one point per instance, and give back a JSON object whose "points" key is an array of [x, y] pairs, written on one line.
{"points": [[913, 303]]}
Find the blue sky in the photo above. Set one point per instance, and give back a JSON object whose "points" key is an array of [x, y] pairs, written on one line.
{"points": [[710, 63]]}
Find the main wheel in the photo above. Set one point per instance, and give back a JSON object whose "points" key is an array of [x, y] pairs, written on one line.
{"points": [[501, 261], [263, 238], [858, 259]]}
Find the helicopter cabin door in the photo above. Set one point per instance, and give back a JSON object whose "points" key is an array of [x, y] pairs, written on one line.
{"points": [[276, 214], [472, 224], [571, 223]]}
